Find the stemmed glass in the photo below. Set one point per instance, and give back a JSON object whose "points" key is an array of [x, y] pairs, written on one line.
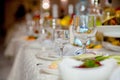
{"points": [[61, 39], [84, 29]]}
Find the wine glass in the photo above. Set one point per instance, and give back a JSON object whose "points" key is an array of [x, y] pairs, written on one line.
{"points": [[61, 39], [84, 29]]}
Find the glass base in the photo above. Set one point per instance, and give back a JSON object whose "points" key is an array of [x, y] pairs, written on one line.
{"points": [[80, 51]]}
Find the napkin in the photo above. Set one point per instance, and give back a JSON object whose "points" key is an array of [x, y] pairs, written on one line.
{"points": [[69, 72], [116, 74]]}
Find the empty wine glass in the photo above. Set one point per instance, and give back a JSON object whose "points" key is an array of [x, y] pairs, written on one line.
{"points": [[84, 29], [61, 39]]}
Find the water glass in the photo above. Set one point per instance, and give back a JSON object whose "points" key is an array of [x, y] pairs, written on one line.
{"points": [[61, 39], [84, 29]]}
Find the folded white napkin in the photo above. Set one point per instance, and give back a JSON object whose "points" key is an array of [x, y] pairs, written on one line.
{"points": [[69, 72], [116, 74]]}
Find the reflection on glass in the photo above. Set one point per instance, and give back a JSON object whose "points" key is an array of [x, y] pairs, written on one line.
{"points": [[84, 29]]}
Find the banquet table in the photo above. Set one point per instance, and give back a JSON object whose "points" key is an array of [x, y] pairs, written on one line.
{"points": [[16, 31], [14, 40], [17, 37], [27, 66]]}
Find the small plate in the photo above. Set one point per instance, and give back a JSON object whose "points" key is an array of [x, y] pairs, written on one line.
{"points": [[47, 57], [109, 46], [49, 69]]}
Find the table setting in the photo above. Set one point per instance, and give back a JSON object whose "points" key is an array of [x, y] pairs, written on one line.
{"points": [[50, 55]]}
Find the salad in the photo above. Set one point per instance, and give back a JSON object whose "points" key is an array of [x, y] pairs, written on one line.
{"points": [[91, 60]]}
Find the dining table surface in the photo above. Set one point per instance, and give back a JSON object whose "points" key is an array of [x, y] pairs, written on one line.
{"points": [[30, 62]]}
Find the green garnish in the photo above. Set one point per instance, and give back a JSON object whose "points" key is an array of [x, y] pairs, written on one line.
{"points": [[85, 57], [100, 58], [90, 63]]}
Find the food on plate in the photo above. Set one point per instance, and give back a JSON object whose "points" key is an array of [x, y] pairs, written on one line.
{"points": [[94, 46], [31, 38], [112, 18], [90, 63], [85, 56], [36, 31], [111, 21], [98, 57], [112, 40], [54, 65], [95, 70]]}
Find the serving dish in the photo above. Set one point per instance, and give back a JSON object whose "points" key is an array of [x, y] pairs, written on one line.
{"points": [[109, 46], [110, 37]]}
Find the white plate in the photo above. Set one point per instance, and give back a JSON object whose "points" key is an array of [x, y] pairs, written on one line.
{"points": [[112, 34], [47, 57], [109, 46], [48, 70], [111, 31], [108, 28]]}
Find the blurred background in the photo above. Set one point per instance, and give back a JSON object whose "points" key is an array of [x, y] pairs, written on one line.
{"points": [[13, 11], [8, 9]]}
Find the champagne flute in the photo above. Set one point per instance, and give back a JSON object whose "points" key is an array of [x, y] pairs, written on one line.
{"points": [[61, 39], [84, 29]]}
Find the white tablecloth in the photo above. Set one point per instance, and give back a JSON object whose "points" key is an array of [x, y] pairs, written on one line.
{"points": [[25, 66], [16, 37], [14, 45], [18, 30]]}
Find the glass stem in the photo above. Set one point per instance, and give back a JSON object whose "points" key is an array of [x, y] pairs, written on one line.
{"points": [[61, 52], [53, 37], [84, 48]]}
